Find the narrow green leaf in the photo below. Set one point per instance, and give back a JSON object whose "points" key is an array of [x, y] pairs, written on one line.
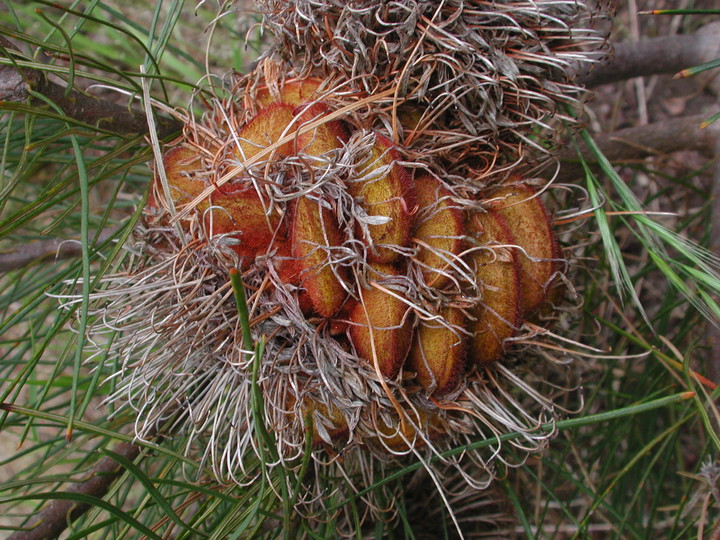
{"points": [[710, 120], [94, 430], [681, 12], [548, 427], [151, 490], [689, 72], [656, 237]]}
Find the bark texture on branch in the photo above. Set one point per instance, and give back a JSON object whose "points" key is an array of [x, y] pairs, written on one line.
{"points": [[16, 85], [655, 56], [637, 143], [58, 248], [56, 515]]}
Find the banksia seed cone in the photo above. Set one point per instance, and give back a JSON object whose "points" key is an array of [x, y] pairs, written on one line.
{"points": [[379, 283], [390, 269]]}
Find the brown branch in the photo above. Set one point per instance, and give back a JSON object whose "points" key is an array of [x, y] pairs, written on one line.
{"points": [[56, 515], [17, 85], [669, 54], [58, 248], [637, 143]]}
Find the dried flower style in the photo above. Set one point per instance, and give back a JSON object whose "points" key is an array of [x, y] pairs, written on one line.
{"points": [[474, 82], [395, 281]]}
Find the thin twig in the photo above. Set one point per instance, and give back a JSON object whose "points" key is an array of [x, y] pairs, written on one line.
{"points": [[637, 143], [59, 248], [668, 54], [17, 85], [713, 360]]}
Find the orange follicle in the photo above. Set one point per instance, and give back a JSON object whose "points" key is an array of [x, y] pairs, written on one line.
{"points": [[324, 138], [399, 435], [530, 225], [293, 92], [381, 327], [385, 189], [496, 271], [438, 352], [265, 129], [237, 210], [313, 233], [440, 228]]}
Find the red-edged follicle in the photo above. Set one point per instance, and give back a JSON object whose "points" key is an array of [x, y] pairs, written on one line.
{"points": [[313, 233], [380, 326], [384, 189], [438, 352], [531, 227], [496, 271], [439, 230]]}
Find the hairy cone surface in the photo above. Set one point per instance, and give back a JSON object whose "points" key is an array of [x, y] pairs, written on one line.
{"points": [[364, 246]]}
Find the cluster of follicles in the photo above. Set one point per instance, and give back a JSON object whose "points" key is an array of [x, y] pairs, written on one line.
{"points": [[391, 296]]}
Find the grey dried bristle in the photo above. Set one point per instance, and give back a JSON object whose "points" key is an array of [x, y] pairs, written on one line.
{"points": [[171, 326], [475, 81]]}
